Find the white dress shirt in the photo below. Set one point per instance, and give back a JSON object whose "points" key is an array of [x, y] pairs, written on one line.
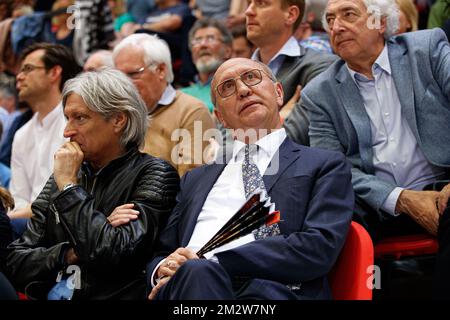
{"points": [[33, 149], [397, 157], [227, 195]]}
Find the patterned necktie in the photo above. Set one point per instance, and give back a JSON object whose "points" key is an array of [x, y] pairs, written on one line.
{"points": [[252, 180]]}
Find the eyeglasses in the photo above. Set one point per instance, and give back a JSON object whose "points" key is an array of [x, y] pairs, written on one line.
{"points": [[26, 69], [208, 39], [137, 74], [249, 78]]}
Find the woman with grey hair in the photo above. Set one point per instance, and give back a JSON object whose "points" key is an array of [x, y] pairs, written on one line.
{"points": [[97, 219]]}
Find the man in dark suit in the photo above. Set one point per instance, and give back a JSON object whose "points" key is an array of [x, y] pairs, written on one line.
{"points": [[270, 27], [310, 187], [385, 105]]}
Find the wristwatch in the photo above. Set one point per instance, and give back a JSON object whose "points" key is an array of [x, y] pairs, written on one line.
{"points": [[68, 186]]}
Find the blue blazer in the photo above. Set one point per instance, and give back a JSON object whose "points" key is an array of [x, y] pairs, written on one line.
{"points": [[313, 192], [420, 64]]}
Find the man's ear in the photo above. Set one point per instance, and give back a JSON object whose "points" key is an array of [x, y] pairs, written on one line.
{"points": [[55, 73], [162, 71], [119, 121], [291, 15], [383, 22], [280, 93], [220, 117]]}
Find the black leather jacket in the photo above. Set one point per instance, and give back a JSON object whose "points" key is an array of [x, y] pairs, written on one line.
{"points": [[112, 260]]}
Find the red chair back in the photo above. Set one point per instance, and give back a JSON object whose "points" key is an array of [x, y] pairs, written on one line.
{"points": [[350, 275]]}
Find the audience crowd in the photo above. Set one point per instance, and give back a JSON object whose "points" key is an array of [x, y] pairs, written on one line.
{"points": [[132, 131]]}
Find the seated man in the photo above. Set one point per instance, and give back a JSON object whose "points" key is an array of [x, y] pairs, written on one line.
{"points": [[310, 187], [387, 115], [100, 180]]}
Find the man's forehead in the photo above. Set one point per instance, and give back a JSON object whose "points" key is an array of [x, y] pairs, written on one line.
{"points": [[34, 56], [336, 5], [235, 67], [207, 30]]}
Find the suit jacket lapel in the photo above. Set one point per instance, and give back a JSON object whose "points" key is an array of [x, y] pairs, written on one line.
{"points": [[286, 154], [401, 73], [354, 105], [210, 176]]}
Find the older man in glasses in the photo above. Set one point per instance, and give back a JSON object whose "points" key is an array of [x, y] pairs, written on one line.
{"points": [[311, 189], [178, 120], [210, 44]]}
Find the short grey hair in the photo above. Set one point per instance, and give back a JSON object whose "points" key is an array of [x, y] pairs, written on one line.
{"points": [[387, 8], [155, 50], [263, 66], [108, 92], [203, 23]]}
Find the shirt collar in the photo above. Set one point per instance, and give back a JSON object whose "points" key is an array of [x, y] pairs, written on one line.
{"points": [[290, 48], [269, 144], [168, 96], [381, 63], [51, 117]]}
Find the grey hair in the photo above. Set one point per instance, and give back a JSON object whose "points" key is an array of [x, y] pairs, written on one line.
{"points": [[155, 50], [386, 8], [263, 66], [108, 92], [203, 23]]}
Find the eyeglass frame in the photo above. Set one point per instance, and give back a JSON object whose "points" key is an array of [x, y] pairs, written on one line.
{"points": [[27, 68], [137, 74], [208, 39], [240, 77]]}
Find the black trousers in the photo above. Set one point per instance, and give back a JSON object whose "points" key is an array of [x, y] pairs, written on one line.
{"points": [[380, 226], [7, 291]]}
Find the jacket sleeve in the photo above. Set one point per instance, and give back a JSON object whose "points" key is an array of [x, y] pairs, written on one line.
{"points": [[92, 236], [440, 60], [311, 251], [322, 134], [169, 240], [31, 258]]}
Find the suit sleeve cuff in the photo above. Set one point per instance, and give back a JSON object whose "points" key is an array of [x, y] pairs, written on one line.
{"points": [[391, 202], [153, 277]]}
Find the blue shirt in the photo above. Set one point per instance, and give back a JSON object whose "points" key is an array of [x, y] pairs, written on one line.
{"points": [[397, 157], [290, 49]]}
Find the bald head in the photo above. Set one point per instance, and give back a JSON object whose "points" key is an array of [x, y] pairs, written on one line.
{"points": [[98, 60]]}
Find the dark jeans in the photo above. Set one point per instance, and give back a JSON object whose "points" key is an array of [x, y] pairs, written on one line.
{"points": [[381, 226]]}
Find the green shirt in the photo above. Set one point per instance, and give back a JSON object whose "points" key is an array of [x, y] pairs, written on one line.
{"points": [[201, 92]]}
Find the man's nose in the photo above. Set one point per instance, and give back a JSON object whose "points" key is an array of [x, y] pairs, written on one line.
{"points": [[68, 131], [242, 89]]}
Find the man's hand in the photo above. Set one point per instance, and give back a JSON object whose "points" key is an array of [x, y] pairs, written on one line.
{"points": [[289, 106], [122, 215], [168, 268], [71, 257], [444, 195], [68, 161], [421, 207]]}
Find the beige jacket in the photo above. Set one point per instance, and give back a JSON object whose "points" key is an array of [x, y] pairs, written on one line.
{"points": [[184, 149]]}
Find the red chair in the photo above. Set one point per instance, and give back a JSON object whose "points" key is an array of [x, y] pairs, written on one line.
{"points": [[349, 276], [406, 246]]}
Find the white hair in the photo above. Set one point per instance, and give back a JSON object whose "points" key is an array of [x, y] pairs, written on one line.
{"points": [[385, 8], [155, 50], [108, 92]]}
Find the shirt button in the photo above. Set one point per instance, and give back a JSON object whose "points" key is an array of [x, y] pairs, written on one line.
{"points": [[394, 164], [392, 139], [386, 114]]}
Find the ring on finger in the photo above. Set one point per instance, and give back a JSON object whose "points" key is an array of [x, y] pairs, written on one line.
{"points": [[170, 263]]}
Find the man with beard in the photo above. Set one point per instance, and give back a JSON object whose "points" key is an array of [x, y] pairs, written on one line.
{"points": [[210, 43]]}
